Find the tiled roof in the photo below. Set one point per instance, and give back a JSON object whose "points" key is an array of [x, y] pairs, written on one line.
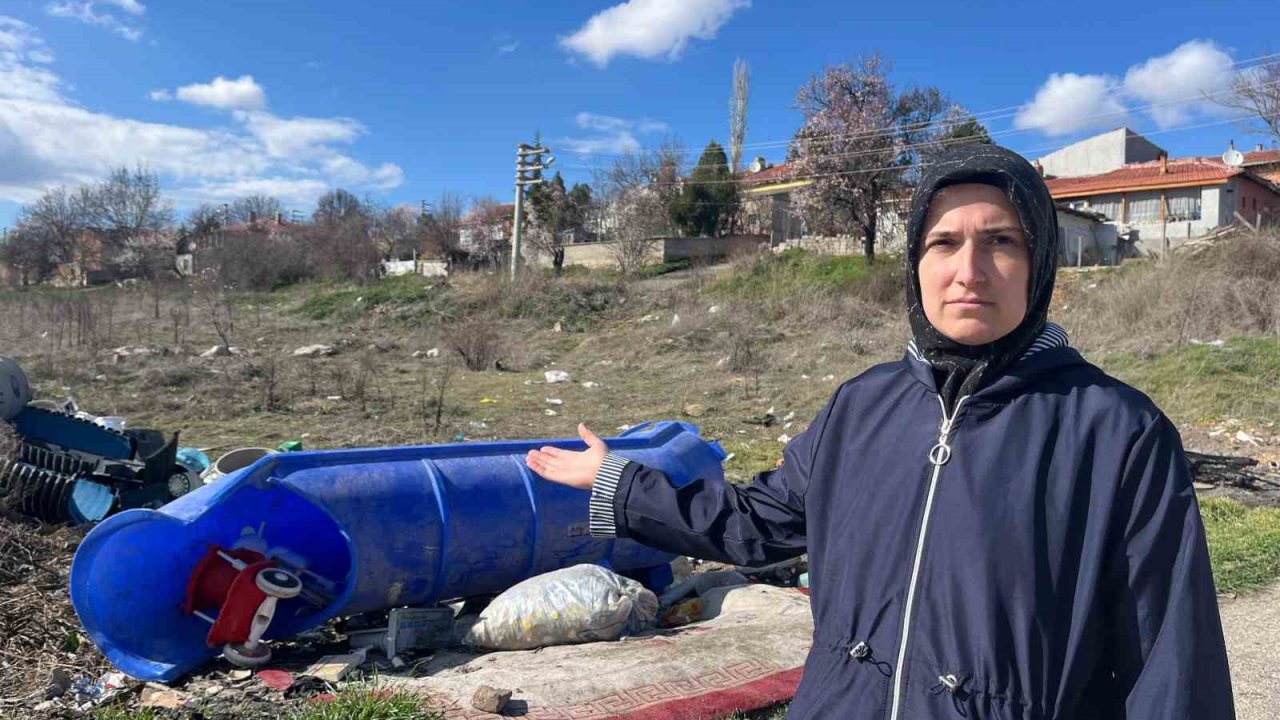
{"points": [[1261, 157], [1147, 175], [781, 172]]}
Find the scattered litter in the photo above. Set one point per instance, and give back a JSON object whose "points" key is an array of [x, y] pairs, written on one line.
{"points": [[675, 319], [333, 668], [333, 397], [240, 674], [490, 700], [804, 377], [729, 457], [694, 410], [289, 446], [556, 376], [589, 384], [828, 378], [784, 438], [789, 416], [478, 424], [681, 613], [554, 401], [159, 696], [1245, 437], [317, 350], [648, 318], [713, 309], [275, 679], [557, 328], [583, 603], [550, 413], [407, 629], [192, 459], [487, 400], [624, 427], [787, 426], [433, 352], [722, 361], [221, 351], [1210, 343]]}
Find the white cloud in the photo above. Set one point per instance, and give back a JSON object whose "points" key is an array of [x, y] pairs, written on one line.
{"points": [[1177, 83], [22, 52], [1069, 103], [614, 135], [161, 95], [508, 48], [93, 13], [299, 136], [243, 93], [649, 29], [1170, 89], [47, 139]]}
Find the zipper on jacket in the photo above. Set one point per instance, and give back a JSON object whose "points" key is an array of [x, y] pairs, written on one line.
{"points": [[939, 454]]}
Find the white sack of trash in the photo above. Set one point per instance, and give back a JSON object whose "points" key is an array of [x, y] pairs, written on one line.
{"points": [[578, 604]]}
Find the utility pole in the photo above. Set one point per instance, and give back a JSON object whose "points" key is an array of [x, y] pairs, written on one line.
{"points": [[528, 160]]}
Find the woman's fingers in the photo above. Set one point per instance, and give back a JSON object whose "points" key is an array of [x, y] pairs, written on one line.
{"points": [[590, 438]]}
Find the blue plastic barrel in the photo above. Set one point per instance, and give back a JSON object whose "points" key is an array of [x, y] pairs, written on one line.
{"points": [[382, 527]]}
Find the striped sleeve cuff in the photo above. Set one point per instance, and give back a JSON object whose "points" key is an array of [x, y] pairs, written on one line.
{"points": [[600, 509]]}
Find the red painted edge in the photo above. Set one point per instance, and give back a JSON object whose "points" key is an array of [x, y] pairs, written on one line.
{"points": [[761, 693]]}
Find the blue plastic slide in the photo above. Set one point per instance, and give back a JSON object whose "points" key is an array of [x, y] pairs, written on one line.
{"points": [[364, 530]]}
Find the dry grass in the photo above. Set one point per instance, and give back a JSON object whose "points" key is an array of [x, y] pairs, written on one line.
{"points": [[1148, 308]]}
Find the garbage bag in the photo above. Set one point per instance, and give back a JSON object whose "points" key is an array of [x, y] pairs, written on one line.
{"points": [[578, 604]]}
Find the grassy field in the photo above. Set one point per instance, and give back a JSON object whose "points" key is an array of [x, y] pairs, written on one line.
{"points": [[748, 353]]}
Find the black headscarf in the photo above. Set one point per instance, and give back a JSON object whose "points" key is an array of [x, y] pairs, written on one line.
{"points": [[963, 369]]}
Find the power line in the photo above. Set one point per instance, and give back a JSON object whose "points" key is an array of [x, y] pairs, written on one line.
{"points": [[866, 171], [999, 113], [936, 143]]}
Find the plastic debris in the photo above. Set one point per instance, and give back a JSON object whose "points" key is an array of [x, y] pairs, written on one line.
{"points": [[556, 376], [554, 401], [289, 446], [193, 459], [333, 668]]}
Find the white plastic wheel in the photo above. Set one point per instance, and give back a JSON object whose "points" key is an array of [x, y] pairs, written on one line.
{"points": [[241, 656], [278, 583]]}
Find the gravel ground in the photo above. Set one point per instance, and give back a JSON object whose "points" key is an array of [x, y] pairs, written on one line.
{"points": [[1251, 624]]}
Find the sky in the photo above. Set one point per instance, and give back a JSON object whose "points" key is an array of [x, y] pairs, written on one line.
{"points": [[402, 101]]}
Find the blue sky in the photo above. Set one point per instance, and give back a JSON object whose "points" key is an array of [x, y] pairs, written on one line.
{"points": [[404, 100]]}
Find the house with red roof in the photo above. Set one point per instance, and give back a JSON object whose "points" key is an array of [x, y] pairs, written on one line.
{"points": [[1164, 201]]}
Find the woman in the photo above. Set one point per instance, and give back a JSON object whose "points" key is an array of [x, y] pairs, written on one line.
{"points": [[995, 527]]}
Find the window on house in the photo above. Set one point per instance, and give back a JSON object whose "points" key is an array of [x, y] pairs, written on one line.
{"points": [[1108, 205], [1143, 207], [1182, 204]]}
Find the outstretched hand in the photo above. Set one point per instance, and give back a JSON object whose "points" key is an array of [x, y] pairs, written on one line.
{"points": [[575, 469]]}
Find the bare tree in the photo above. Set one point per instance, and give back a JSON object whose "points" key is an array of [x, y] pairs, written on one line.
{"points": [[640, 222], [440, 227], [485, 231], [398, 231], [738, 112], [1256, 92], [338, 206], [254, 207], [128, 202]]}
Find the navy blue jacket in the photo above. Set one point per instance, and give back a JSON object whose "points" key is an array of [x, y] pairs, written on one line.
{"points": [[1038, 554]]}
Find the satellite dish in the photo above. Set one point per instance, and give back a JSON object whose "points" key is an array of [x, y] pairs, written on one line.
{"points": [[757, 165], [1232, 157]]}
